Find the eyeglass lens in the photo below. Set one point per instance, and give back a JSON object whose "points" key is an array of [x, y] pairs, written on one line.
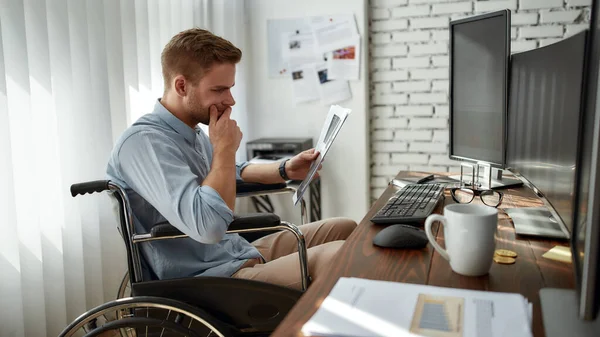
{"points": [[491, 198], [463, 195]]}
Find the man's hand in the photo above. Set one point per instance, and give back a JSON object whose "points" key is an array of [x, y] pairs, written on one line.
{"points": [[297, 167], [224, 133], [225, 137]]}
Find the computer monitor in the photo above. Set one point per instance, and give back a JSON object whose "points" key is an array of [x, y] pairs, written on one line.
{"points": [[543, 125], [567, 312], [585, 240], [479, 63]]}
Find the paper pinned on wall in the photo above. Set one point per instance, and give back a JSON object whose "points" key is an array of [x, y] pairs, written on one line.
{"points": [[331, 91], [344, 63], [333, 32], [278, 67], [305, 83], [329, 33], [298, 49]]}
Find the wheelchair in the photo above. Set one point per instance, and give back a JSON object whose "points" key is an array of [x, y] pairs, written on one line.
{"points": [[198, 306]]}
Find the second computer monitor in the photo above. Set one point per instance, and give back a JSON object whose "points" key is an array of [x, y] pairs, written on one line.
{"points": [[479, 56], [545, 104]]}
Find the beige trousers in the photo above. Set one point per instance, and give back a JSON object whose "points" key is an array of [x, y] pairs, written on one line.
{"points": [[280, 250]]}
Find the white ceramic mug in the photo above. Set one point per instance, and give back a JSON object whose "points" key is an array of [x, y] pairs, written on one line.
{"points": [[469, 236]]}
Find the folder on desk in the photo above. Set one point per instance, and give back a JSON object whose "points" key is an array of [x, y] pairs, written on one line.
{"points": [[360, 307]]}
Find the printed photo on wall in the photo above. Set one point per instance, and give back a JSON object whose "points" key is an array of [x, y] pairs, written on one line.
{"points": [[344, 63], [332, 91]]}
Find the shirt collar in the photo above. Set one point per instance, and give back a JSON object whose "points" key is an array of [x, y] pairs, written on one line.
{"points": [[175, 123]]}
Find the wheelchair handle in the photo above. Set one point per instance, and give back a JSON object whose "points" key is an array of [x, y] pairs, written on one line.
{"points": [[89, 187]]}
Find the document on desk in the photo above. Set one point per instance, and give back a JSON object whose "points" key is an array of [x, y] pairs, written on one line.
{"points": [[333, 124], [361, 307]]}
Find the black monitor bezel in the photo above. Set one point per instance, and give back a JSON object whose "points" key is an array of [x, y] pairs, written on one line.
{"points": [[503, 13], [588, 270]]}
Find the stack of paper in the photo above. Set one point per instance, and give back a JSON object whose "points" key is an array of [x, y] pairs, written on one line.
{"points": [[360, 307]]}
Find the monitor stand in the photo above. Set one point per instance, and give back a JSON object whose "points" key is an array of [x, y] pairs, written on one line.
{"points": [[490, 178], [536, 221], [560, 314]]}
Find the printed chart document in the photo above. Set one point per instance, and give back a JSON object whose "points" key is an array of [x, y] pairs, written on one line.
{"points": [[344, 63], [333, 124], [361, 307]]}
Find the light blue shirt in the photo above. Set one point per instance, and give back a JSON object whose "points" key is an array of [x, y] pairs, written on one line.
{"points": [[161, 162]]}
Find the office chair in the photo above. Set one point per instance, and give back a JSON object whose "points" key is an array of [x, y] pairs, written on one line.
{"points": [[198, 306]]}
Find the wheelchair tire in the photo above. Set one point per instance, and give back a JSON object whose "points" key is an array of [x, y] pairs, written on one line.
{"points": [[146, 316], [124, 287]]}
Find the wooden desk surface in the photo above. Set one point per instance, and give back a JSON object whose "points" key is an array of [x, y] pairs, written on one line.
{"points": [[358, 257]]}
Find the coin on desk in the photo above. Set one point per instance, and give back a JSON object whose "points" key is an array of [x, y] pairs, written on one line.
{"points": [[505, 253], [504, 259]]}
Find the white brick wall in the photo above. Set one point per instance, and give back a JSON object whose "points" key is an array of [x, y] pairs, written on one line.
{"points": [[411, 11], [539, 4], [433, 73], [410, 62], [495, 5], [389, 50], [452, 8], [411, 86], [411, 36], [409, 72], [387, 76], [388, 25]]}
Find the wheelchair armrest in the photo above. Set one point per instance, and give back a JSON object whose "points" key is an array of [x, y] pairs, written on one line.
{"points": [[164, 229], [240, 222], [254, 220], [243, 187]]}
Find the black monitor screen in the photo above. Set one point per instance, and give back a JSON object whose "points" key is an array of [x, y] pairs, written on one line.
{"points": [[544, 110], [480, 48]]}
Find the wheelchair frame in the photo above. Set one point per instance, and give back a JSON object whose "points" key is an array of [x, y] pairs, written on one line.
{"points": [[243, 224]]}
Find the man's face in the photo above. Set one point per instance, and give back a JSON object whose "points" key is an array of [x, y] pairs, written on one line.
{"points": [[214, 88]]}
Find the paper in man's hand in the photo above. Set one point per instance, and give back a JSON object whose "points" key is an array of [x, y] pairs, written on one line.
{"points": [[335, 119]]}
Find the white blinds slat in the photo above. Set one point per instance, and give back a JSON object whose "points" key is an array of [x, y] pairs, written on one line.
{"points": [[22, 143], [11, 306]]}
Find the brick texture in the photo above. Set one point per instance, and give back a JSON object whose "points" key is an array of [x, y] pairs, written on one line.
{"points": [[410, 74]]}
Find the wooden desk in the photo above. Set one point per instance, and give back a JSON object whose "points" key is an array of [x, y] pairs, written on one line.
{"points": [[359, 258]]}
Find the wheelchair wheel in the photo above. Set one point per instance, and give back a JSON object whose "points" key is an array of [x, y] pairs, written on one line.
{"points": [[145, 316], [124, 287]]}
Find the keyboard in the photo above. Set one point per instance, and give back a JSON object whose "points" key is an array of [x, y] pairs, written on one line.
{"points": [[411, 204]]}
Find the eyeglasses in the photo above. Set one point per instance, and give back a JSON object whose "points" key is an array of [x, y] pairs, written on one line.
{"points": [[464, 195]]}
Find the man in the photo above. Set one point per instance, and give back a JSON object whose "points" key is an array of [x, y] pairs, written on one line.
{"points": [[174, 172]]}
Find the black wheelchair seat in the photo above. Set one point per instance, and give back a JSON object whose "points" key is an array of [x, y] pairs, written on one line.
{"points": [[248, 305]]}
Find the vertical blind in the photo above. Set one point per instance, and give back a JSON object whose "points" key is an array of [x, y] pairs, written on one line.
{"points": [[73, 75]]}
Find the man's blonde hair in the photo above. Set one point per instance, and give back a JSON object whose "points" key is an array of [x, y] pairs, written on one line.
{"points": [[192, 52]]}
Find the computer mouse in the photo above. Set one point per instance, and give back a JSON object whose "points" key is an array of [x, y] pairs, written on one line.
{"points": [[401, 236]]}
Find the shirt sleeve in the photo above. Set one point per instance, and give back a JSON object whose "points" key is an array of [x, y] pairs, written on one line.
{"points": [[239, 167], [154, 166]]}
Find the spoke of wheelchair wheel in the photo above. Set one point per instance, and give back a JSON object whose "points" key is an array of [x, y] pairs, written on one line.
{"points": [[166, 319], [209, 333], [147, 315]]}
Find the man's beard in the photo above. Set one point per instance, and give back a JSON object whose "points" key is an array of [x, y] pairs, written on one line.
{"points": [[199, 113]]}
